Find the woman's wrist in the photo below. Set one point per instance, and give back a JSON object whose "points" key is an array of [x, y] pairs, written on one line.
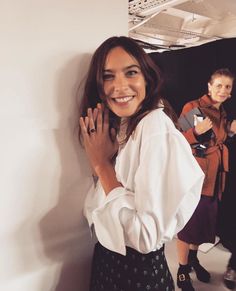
{"points": [[100, 168], [107, 176], [195, 132]]}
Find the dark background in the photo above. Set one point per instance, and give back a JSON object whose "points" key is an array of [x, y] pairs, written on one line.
{"points": [[187, 71]]}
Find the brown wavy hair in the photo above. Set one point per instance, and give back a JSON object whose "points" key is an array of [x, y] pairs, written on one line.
{"points": [[94, 84]]}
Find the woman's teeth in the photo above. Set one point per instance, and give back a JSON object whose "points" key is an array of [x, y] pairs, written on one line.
{"points": [[123, 99]]}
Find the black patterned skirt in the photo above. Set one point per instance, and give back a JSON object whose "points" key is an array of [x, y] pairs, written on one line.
{"points": [[134, 272]]}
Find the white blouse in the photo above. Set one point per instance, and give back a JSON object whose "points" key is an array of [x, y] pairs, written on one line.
{"points": [[161, 188]]}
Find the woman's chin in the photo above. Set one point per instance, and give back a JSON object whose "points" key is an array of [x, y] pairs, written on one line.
{"points": [[123, 112]]}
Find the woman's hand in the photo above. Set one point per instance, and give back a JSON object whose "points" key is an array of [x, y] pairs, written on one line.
{"points": [[203, 126], [232, 128], [99, 145]]}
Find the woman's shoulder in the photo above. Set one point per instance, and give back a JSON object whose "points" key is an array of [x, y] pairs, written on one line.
{"points": [[158, 115], [190, 105], [157, 122]]}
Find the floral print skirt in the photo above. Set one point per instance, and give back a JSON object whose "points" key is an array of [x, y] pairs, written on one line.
{"points": [[134, 272]]}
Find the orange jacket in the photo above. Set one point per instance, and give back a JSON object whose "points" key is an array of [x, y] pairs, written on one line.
{"points": [[215, 161]]}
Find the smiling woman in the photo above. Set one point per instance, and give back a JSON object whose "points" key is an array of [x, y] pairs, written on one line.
{"points": [[127, 53], [124, 83], [220, 86], [141, 198]]}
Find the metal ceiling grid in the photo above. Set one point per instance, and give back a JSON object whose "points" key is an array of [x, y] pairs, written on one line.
{"points": [[138, 6]]}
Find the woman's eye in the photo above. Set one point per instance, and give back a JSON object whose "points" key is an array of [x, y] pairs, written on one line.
{"points": [[131, 73], [107, 77]]}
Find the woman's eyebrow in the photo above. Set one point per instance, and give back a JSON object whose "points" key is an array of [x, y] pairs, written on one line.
{"points": [[131, 66], [125, 68]]}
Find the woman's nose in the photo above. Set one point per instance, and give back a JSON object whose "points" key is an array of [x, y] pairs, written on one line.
{"points": [[120, 83]]}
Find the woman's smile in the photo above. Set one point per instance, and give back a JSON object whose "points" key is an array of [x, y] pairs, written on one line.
{"points": [[123, 99]]}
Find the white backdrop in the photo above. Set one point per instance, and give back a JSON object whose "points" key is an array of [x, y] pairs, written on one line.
{"points": [[44, 53]]}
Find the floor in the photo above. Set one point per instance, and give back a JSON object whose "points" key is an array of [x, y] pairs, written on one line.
{"points": [[214, 260]]}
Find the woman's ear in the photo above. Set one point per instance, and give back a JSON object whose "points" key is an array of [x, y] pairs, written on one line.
{"points": [[209, 89]]}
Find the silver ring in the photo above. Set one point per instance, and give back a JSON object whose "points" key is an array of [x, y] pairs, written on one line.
{"points": [[92, 130]]}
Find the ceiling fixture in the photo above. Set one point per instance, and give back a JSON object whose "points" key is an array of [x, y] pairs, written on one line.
{"points": [[181, 23]]}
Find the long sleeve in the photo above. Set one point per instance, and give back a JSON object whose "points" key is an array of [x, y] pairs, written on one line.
{"points": [[189, 134], [162, 186]]}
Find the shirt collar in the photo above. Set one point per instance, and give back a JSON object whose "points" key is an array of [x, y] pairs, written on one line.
{"points": [[206, 102]]}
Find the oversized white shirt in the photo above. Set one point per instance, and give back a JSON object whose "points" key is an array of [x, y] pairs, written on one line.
{"points": [[161, 187]]}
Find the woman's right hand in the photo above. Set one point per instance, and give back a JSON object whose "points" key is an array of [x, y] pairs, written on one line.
{"points": [[203, 126], [100, 147]]}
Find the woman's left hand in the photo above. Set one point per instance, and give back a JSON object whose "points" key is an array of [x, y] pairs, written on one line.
{"points": [[100, 144], [233, 127]]}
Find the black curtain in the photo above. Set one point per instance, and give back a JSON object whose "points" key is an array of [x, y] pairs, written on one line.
{"points": [[186, 71]]}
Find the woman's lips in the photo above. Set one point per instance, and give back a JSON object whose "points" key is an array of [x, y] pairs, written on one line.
{"points": [[223, 97], [123, 99]]}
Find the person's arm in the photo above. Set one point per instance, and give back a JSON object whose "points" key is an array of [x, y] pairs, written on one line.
{"points": [[232, 128], [193, 134], [107, 177], [100, 148]]}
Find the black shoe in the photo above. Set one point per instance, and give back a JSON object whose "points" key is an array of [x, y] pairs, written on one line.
{"points": [[230, 278], [184, 282], [201, 272], [189, 268]]}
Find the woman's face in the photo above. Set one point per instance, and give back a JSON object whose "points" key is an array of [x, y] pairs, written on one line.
{"points": [[124, 83], [220, 88]]}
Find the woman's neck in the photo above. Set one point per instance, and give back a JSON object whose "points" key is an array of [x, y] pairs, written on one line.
{"points": [[122, 130], [215, 103]]}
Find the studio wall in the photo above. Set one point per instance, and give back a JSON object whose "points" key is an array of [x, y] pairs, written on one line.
{"points": [[45, 244]]}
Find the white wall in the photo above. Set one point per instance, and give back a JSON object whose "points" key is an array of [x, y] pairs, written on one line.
{"points": [[44, 52]]}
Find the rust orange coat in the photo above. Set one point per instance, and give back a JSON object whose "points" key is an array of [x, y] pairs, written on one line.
{"points": [[215, 162]]}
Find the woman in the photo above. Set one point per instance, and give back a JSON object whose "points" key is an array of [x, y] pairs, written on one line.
{"points": [[206, 137], [142, 197]]}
